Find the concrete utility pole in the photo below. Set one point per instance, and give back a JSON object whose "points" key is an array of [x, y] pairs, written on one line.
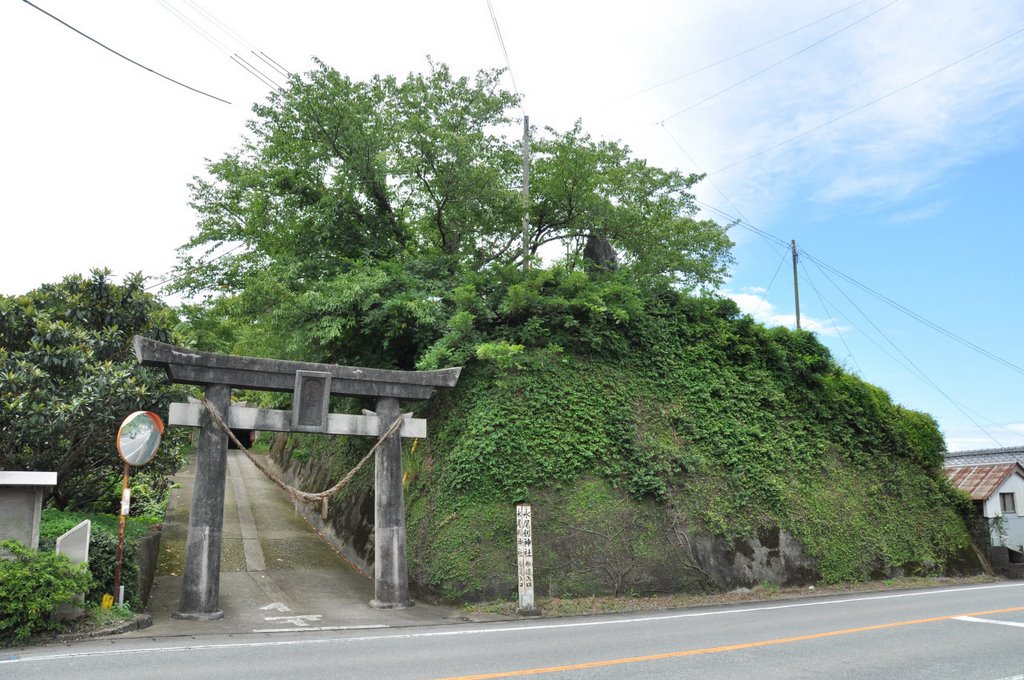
{"points": [[526, 192], [796, 285]]}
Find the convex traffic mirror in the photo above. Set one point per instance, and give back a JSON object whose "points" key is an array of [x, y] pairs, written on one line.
{"points": [[139, 437]]}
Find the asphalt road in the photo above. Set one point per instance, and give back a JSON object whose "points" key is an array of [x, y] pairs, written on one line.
{"points": [[974, 632]]}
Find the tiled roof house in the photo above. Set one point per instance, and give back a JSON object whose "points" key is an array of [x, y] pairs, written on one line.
{"points": [[994, 479]]}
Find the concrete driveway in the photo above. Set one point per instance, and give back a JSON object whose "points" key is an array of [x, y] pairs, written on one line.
{"points": [[277, 573]]}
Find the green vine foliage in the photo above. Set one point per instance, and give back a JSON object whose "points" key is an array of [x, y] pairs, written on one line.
{"points": [[644, 400]]}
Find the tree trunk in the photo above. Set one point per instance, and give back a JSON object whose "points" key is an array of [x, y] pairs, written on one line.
{"points": [[599, 255]]}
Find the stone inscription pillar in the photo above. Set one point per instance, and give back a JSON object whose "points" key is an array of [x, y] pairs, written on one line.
{"points": [[200, 583], [390, 569]]}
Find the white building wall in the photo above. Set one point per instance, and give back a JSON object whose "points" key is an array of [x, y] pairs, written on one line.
{"points": [[1011, 533]]}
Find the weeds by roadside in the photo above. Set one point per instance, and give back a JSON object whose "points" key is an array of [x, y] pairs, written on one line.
{"points": [[557, 606]]}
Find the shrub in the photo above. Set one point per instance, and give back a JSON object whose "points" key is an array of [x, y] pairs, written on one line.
{"points": [[32, 585], [102, 549]]}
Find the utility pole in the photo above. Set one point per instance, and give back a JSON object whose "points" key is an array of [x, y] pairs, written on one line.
{"points": [[796, 285], [526, 192]]}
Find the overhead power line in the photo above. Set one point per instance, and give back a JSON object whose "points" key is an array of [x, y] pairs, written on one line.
{"points": [[126, 58], [699, 169], [916, 370], [866, 105], [831, 316], [764, 295], [776, 241], [255, 51], [737, 54], [744, 224], [249, 68], [778, 63], [174, 279], [501, 42], [917, 317], [908, 364]]}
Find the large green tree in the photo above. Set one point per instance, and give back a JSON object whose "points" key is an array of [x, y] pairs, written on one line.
{"points": [[68, 377], [353, 211]]}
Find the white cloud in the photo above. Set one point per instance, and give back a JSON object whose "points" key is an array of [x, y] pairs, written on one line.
{"points": [[881, 154], [764, 312], [967, 437], [917, 214]]}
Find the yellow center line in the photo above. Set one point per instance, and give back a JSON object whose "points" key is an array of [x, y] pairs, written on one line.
{"points": [[724, 648]]}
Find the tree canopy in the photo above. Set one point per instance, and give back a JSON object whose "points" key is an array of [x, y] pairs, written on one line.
{"points": [[354, 210], [68, 378]]}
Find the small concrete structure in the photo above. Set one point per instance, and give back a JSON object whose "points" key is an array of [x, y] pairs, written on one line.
{"points": [[75, 542], [21, 504]]}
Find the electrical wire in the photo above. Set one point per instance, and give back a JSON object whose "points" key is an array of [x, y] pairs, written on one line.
{"points": [[917, 317], [734, 56], [182, 17], [830, 315], [261, 55], [774, 240], [778, 63], [220, 45], [126, 58], [917, 369], [252, 70], [912, 368], [767, 290], [868, 104], [734, 221], [698, 166], [501, 42], [173, 279]]}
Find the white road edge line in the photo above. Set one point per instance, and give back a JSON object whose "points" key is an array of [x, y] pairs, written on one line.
{"points": [[499, 628], [973, 619], [316, 628]]}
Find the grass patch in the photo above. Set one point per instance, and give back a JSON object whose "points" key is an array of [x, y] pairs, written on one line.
{"points": [[102, 618]]}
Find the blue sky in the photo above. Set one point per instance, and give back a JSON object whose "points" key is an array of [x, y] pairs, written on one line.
{"points": [[885, 137]]}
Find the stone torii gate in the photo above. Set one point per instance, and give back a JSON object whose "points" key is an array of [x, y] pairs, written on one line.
{"points": [[312, 386]]}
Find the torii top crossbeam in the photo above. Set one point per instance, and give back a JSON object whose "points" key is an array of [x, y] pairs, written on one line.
{"points": [[193, 367]]}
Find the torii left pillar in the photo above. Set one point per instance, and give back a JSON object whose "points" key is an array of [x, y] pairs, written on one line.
{"points": [[390, 565], [200, 581]]}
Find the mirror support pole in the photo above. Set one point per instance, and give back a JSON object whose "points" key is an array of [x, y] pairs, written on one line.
{"points": [[200, 584], [120, 534]]}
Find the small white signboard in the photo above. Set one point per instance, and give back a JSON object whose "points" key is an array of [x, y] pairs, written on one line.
{"points": [[524, 557], [75, 542]]}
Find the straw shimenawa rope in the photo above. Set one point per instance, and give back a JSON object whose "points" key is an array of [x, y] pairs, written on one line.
{"points": [[298, 494]]}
